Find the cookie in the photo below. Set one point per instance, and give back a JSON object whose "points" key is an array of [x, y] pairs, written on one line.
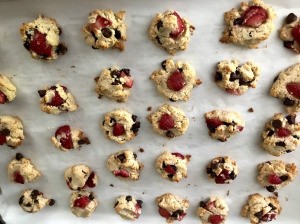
{"points": [[281, 134], [128, 207], [57, 99], [213, 211], [169, 121], [114, 83], [80, 177], [7, 90], [32, 201], [172, 166], [223, 170], [223, 124], [21, 170], [236, 79], [11, 131], [275, 174], [83, 203], [249, 25], [105, 29], [289, 33], [41, 38], [120, 125], [175, 80], [67, 138], [286, 87], [170, 31], [172, 207], [260, 209], [125, 165]]}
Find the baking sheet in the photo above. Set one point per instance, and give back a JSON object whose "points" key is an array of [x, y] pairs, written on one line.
{"points": [[142, 57]]}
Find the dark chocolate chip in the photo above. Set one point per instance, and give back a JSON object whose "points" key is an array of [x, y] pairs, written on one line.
{"points": [[5, 132], [170, 134], [172, 100], [26, 45], [272, 206], [59, 31], [91, 197], [117, 34], [288, 102], [288, 151], [218, 77], [202, 204], [282, 144], [52, 202], [275, 79], [94, 35], [100, 97], [290, 18], [106, 32], [126, 71], [208, 170], [128, 198], [28, 204], [270, 188], [296, 136], [232, 175], [259, 214], [140, 202], [83, 141], [121, 157], [19, 156], [62, 48], [134, 117], [288, 44], [270, 133], [277, 124], [222, 160], [238, 21], [159, 24], [112, 120], [103, 122], [158, 40], [170, 176], [234, 76], [163, 64], [21, 200], [34, 194], [42, 93], [135, 127], [291, 118], [116, 204], [284, 178], [134, 155], [180, 69]]}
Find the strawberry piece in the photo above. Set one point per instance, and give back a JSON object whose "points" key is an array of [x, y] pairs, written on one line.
{"points": [[138, 210], [2, 139], [3, 98], [210, 206], [89, 183], [128, 80], [274, 179], [118, 129], [101, 22], [254, 16], [63, 134], [181, 216], [293, 88], [121, 173], [213, 123], [283, 132], [233, 91], [166, 122], [81, 202], [176, 81], [39, 45], [240, 128], [177, 154], [215, 219], [171, 169], [18, 178], [164, 213], [268, 217], [296, 33], [222, 177], [180, 27], [56, 101]]}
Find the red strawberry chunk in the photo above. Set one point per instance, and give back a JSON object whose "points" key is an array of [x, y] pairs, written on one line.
{"points": [[176, 81], [2, 139], [164, 213], [215, 219], [166, 122], [209, 206], [121, 173], [63, 134], [180, 27], [240, 128], [118, 129], [233, 91], [293, 88], [283, 132], [3, 98], [89, 183], [296, 33], [128, 80], [138, 210], [171, 169], [18, 178], [222, 177], [101, 22], [268, 217], [39, 44], [254, 16], [274, 179], [181, 216], [177, 154], [56, 101], [213, 123], [81, 202]]}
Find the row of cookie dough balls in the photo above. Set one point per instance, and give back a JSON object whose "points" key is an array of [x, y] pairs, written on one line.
{"points": [[247, 26]]}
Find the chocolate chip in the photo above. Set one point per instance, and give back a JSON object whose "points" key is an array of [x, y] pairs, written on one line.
{"points": [[291, 118], [158, 40], [270, 188], [112, 120], [163, 64], [288, 102], [288, 151], [172, 100], [28, 204], [282, 144], [42, 93], [116, 204], [275, 79], [259, 214], [208, 170], [117, 34], [5, 132], [238, 21], [135, 127], [202, 204], [121, 157], [103, 122], [288, 44], [26, 44], [21, 200], [111, 185], [19, 156], [141, 150], [232, 175], [62, 48], [218, 77], [134, 155], [296, 136], [91, 197], [59, 31], [52, 202], [94, 35], [140, 202], [222, 160], [34, 194], [251, 110], [170, 176], [284, 178], [126, 71], [159, 24], [270, 133], [149, 108], [290, 18], [128, 198], [234, 76], [170, 134], [106, 32], [134, 117], [277, 124], [272, 206], [84, 141]]}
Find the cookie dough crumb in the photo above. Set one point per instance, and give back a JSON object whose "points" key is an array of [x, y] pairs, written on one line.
{"points": [[83, 203], [7, 90], [128, 207], [11, 131], [32, 201]]}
